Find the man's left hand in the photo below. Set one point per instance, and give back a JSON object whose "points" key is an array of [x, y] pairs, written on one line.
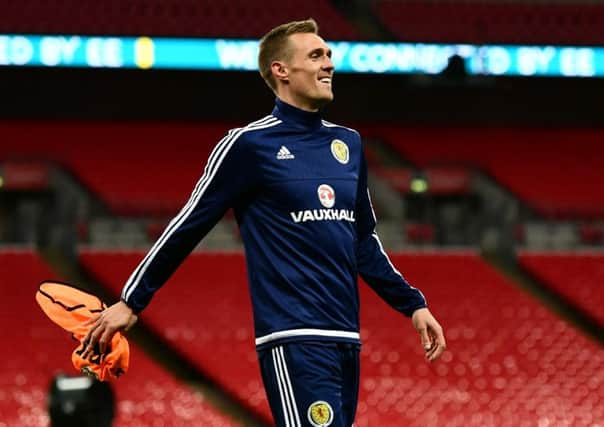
{"points": [[431, 333]]}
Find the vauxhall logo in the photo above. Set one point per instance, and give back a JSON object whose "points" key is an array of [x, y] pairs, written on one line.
{"points": [[323, 215], [327, 197]]}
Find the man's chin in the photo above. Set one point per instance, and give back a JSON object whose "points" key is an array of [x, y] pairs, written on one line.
{"points": [[321, 102]]}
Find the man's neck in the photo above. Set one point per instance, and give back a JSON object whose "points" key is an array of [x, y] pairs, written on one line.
{"points": [[296, 116], [295, 102]]}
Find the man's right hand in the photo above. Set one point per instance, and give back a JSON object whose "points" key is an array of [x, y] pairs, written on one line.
{"points": [[118, 317]]}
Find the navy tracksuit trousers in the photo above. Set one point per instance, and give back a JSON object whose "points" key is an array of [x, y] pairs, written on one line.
{"points": [[311, 383]]}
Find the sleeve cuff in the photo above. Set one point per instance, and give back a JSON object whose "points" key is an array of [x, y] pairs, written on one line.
{"points": [[409, 313], [134, 309]]}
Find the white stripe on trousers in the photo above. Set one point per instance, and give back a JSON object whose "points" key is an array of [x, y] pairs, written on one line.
{"points": [[288, 400], [214, 161], [289, 384]]}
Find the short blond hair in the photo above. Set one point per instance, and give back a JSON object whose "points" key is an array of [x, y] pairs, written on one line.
{"points": [[274, 46]]}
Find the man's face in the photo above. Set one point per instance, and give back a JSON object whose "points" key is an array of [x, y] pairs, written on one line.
{"points": [[310, 71]]}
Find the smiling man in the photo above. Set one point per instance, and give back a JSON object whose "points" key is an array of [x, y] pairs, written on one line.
{"points": [[296, 64], [298, 186]]}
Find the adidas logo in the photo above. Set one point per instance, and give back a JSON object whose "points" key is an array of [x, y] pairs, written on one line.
{"points": [[284, 154]]}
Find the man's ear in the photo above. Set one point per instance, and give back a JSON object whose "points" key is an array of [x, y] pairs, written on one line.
{"points": [[280, 71]]}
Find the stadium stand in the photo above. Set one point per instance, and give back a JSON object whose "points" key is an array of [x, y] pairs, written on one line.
{"points": [[511, 362], [555, 172], [213, 328], [446, 212], [592, 233], [577, 277], [398, 178], [185, 18], [477, 21], [439, 180], [160, 162], [36, 350], [482, 21]]}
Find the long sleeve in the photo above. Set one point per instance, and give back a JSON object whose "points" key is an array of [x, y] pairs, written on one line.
{"points": [[373, 263], [228, 175]]}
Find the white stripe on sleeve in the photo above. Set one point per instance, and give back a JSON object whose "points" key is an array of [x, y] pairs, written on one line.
{"points": [[214, 162]]}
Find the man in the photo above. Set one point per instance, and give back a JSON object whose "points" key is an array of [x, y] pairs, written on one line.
{"points": [[298, 186]]}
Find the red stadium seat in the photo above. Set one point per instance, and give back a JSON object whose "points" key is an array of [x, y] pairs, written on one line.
{"points": [[184, 18], [39, 349], [214, 324], [447, 180], [398, 178], [420, 233], [556, 172], [510, 361], [578, 277], [104, 156], [480, 22], [146, 396]]}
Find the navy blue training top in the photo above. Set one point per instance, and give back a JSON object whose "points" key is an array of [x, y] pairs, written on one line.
{"points": [[298, 186]]}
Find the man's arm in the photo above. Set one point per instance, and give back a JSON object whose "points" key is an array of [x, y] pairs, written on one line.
{"points": [[381, 275], [228, 175]]}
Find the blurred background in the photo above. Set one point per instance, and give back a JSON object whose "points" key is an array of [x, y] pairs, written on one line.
{"points": [[482, 123]]}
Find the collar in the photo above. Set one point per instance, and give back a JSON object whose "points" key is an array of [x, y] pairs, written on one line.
{"points": [[290, 114]]}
